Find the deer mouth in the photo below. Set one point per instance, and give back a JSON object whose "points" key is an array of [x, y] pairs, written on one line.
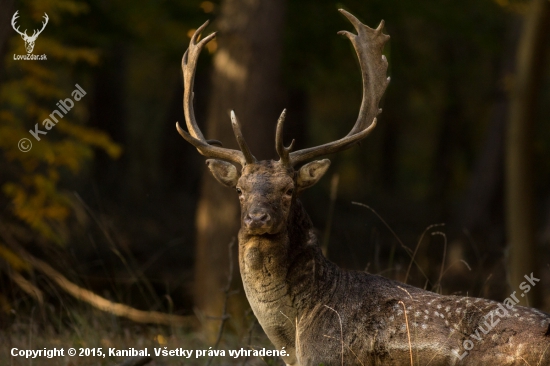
{"points": [[255, 228], [259, 229]]}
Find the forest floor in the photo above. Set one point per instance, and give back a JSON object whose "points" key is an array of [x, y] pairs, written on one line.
{"points": [[91, 332]]}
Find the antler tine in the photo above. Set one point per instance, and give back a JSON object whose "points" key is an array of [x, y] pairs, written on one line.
{"points": [[211, 151], [208, 148], [249, 158], [282, 151], [368, 44]]}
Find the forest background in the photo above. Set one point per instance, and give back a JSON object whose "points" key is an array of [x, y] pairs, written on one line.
{"points": [[113, 201]]}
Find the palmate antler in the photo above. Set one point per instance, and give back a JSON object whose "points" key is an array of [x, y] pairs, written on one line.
{"points": [[195, 137], [368, 43]]}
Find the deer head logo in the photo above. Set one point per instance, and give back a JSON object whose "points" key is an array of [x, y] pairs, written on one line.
{"points": [[29, 40]]}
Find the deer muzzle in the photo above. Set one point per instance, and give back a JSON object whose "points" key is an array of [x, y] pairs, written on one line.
{"points": [[258, 221]]}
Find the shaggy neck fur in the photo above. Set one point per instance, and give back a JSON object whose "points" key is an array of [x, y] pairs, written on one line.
{"points": [[281, 274]]}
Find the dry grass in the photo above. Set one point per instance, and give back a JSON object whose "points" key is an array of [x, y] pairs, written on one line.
{"points": [[90, 328]]}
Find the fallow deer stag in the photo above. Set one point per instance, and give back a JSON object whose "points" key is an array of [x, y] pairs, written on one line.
{"points": [[320, 313]]}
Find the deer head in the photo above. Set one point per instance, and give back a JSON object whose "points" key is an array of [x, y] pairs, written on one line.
{"points": [[267, 189], [29, 40]]}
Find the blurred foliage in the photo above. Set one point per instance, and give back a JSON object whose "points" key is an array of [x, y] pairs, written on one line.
{"points": [[75, 41], [40, 190], [28, 94]]}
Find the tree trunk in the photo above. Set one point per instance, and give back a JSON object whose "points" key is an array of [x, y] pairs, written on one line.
{"points": [[246, 79], [521, 209], [481, 209]]}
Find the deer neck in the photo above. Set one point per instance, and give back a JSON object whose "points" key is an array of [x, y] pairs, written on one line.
{"points": [[283, 274]]}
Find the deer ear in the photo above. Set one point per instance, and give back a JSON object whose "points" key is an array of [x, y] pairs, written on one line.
{"points": [[310, 173], [224, 172]]}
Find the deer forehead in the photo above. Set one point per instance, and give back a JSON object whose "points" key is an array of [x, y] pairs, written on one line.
{"points": [[266, 176]]}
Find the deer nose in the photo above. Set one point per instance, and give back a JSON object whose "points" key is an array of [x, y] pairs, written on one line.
{"points": [[256, 219]]}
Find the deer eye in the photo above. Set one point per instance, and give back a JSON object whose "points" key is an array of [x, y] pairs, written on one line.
{"points": [[239, 191], [289, 191]]}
